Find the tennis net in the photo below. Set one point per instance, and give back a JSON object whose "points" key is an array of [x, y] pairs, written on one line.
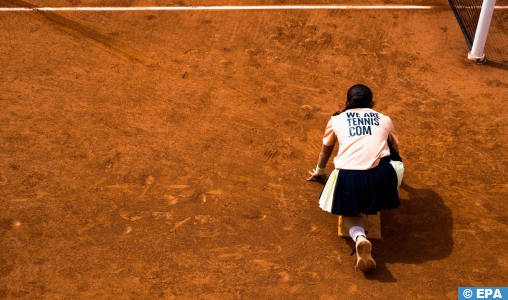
{"points": [[467, 13]]}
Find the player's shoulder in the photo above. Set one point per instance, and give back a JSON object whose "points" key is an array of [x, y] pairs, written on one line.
{"points": [[380, 114], [337, 119]]}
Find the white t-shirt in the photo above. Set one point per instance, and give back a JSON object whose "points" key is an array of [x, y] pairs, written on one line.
{"points": [[362, 134]]}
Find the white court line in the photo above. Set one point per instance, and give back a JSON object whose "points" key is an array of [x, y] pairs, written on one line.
{"points": [[261, 7]]}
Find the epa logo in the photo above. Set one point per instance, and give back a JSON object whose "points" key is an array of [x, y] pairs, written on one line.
{"points": [[482, 293]]}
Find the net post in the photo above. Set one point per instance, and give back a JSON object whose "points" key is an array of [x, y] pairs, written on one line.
{"points": [[476, 54]]}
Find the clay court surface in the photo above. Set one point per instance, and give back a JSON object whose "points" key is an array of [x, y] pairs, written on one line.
{"points": [[163, 155]]}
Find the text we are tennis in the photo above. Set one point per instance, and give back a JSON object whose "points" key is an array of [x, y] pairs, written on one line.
{"points": [[361, 125]]}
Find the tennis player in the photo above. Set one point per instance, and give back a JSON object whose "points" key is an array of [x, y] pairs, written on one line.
{"points": [[370, 167]]}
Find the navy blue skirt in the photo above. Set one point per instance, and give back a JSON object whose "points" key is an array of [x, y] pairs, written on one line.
{"points": [[367, 191]]}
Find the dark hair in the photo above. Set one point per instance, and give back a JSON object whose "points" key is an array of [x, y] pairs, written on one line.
{"points": [[358, 96]]}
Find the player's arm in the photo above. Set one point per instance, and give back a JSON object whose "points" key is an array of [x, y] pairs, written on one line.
{"points": [[324, 156], [395, 145], [392, 137], [329, 141]]}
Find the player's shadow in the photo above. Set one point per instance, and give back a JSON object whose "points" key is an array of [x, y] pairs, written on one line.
{"points": [[420, 230]]}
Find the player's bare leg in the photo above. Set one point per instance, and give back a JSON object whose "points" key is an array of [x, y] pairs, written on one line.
{"points": [[355, 226], [350, 222]]}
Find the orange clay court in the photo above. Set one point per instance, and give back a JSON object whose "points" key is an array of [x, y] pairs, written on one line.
{"points": [[164, 154]]}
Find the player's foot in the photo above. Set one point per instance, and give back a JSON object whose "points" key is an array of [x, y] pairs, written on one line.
{"points": [[364, 261]]}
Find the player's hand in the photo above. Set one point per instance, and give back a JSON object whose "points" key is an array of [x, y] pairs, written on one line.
{"points": [[315, 176]]}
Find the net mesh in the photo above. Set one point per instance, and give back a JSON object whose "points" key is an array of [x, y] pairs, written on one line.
{"points": [[467, 13], [497, 40]]}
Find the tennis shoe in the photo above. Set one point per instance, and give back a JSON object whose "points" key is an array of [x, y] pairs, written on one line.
{"points": [[364, 261]]}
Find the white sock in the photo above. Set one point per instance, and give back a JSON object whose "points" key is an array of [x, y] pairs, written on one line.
{"points": [[355, 231]]}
